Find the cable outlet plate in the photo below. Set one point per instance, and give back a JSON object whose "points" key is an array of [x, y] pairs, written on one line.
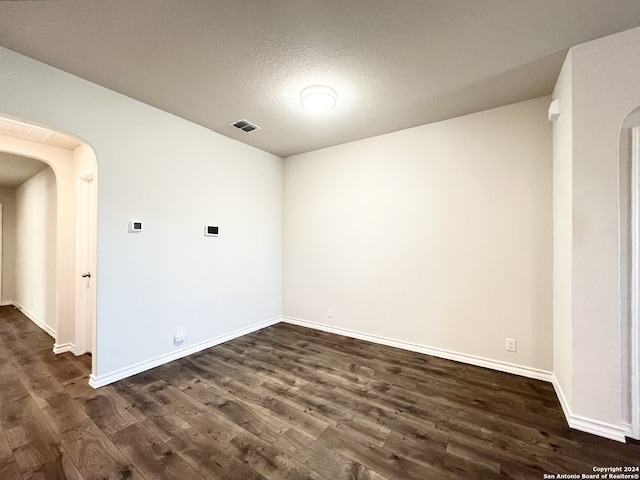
{"points": [[181, 335]]}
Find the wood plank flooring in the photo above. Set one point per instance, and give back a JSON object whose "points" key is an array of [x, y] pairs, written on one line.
{"points": [[282, 403]]}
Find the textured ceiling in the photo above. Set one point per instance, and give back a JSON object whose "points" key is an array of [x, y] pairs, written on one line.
{"points": [[394, 63]]}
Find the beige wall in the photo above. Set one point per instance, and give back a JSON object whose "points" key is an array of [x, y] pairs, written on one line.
{"points": [[35, 260], [599, 87], [8, 201], [438, 235], [606, 87]]}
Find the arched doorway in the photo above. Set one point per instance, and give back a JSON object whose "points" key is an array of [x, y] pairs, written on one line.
{"points": [[73, 163]]}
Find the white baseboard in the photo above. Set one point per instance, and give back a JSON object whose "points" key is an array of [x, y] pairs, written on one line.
{"points": [[31, 316], [588, 425], [528, 372], [6, 303], [595, 427], [64, 347], [102, 380], [562, 399], [577, 422]]}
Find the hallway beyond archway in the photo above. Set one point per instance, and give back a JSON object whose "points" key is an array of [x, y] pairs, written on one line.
{"points": [[70, 159]]}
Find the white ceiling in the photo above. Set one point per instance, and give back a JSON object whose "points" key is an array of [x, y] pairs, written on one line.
{"points": [[15, 170], [394, 63]]}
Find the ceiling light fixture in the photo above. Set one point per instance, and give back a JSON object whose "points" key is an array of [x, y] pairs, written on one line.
{"points": [[318, 98]]}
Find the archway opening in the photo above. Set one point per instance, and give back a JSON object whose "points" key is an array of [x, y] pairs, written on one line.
{"points": [[71, 161], [28, 194]]}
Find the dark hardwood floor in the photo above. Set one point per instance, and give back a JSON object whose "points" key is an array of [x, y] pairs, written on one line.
{"points": [[282, 403]]}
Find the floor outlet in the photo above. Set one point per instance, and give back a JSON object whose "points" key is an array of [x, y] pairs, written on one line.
{"points": [[511, 344]]}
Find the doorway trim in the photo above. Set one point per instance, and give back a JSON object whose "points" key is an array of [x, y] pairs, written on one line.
{"points": [[635, 283], [85, 263]]}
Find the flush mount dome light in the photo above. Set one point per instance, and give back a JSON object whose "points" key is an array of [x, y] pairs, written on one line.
{"points": [[318, 98]]}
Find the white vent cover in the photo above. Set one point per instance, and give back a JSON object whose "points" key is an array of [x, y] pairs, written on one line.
{"points": [[245, 125], [19, 129]]}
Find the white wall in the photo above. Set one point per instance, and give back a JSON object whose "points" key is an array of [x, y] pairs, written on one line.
{"points": [[439, 235], [605, 87], [8, 201], [176, 177], [35, 260], [563, 234]]}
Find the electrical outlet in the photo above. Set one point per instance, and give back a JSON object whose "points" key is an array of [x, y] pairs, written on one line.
{"points": [[511, 344], [330, 312], [180, 335]]}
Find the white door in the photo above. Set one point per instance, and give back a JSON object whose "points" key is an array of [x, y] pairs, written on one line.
{"points": [[85, 261]]}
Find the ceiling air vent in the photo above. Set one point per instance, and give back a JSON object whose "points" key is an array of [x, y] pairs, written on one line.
{"points": [[19, 129], [245, 125]]}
